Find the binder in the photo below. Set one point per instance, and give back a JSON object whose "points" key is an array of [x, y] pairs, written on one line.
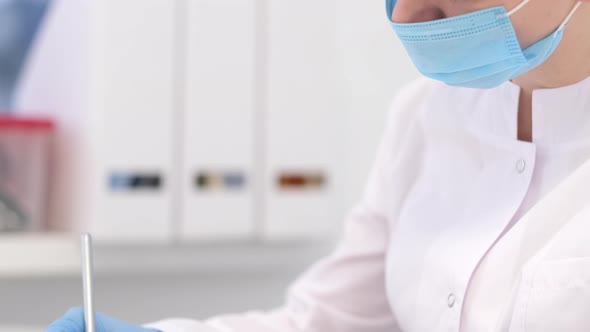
{"points": [[306, 117], [218, 175], [104, 70]]}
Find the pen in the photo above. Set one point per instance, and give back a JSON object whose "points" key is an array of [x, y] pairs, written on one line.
{"points": [[87, 271]]}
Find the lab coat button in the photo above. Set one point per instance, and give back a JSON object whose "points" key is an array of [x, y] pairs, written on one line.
{"points": [[451, 300], [521, 166]]}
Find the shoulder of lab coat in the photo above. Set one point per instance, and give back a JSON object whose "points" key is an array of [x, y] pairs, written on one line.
{"points": [[345, 291]]}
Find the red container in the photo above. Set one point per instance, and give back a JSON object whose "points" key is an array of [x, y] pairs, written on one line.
{"points": [[25, 148]]}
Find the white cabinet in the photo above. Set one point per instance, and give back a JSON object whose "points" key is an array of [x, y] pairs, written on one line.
{"points": [[306, 120], [218, 146], [105, 71], [136, 88], [333, 68], [212, 119]]}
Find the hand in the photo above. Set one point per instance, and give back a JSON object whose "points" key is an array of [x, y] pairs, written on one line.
{"points": [[73, 321]]}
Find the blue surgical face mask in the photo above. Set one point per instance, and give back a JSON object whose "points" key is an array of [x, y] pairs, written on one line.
{"points": [[476, 50]]}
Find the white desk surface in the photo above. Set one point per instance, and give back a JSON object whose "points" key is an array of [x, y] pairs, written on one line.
{"points": [[51, 255], [20, 329]]}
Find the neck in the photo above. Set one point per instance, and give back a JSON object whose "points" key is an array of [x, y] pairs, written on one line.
{"points": [[569, 64], [525, 116], [544, 77]]}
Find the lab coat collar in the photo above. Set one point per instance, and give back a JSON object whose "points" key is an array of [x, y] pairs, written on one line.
{"points": [[561, 116]]}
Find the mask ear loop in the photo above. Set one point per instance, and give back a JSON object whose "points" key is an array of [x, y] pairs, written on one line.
{"points": [[517, 8], [514, 10], [569, 17], [561, 27]]}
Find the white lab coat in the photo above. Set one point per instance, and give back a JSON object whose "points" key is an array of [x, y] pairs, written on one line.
{"points": [[462, 227]]}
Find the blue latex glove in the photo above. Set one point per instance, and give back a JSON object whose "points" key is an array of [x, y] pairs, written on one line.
{"points": [[73, 321]]}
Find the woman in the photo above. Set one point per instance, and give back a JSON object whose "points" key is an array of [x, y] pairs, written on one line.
{"points": [[477, 212]]}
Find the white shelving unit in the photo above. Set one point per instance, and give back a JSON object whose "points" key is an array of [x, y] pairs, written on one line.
{"points": [[57, 255], [38, 255], [20, 329], [52, 261]]}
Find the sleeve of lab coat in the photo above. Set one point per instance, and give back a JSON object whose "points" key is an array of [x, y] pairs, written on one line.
{"points": [[344, 292]]}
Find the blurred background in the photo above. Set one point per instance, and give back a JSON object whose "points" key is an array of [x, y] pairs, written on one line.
{"points": [[19, 22], [212, 147]]}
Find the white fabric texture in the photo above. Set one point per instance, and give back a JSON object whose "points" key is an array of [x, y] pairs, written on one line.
{"points": [[462, 227]]}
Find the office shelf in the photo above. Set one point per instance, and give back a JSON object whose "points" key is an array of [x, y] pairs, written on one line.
{"points": [[20, 329], [58, 255], [38, 255]]}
